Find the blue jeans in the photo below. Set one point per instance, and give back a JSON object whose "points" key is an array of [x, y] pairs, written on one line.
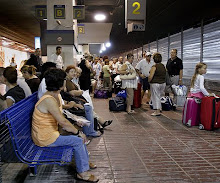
{"points": [[80, 150], [89, 130]]}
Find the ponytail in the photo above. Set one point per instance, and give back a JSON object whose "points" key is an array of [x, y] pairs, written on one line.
{"points": [[198, 66]]}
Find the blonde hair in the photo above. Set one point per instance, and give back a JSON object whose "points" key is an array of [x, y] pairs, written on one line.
{"points": [[29, 69], [198, 66]]}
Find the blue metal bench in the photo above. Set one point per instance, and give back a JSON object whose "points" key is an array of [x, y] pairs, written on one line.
{"points": [[18, 119]]}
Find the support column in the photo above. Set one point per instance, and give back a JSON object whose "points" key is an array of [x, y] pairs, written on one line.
{"points": [[68, 51]]}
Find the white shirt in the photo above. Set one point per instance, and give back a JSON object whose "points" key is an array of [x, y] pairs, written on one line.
{"points": [[129, 83], [22, 83], [119, 65], [144, 67], [58, 60], [114, 66], [199, 85], [97, 68], [42, 88]]}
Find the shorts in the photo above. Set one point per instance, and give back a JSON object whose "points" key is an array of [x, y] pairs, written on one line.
{"points": [[145, 84]]}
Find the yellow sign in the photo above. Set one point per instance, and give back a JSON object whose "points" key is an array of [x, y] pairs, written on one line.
{"points": [[79, 12], [136, 9], [81, 29], [41, 11], [59, 11]]}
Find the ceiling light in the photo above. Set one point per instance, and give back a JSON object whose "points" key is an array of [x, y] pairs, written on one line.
{"points": [[100, 51], [103, 48], [108, 44], [100, 17]]}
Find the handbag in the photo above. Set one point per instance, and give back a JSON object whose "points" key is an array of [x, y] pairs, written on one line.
{"points": [[128, 76]]}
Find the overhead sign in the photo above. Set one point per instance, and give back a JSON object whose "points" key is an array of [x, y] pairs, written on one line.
{"points": [[41, 11], [138, 27], [81, 28], [79, 12], [136, 9], [59, 11]]}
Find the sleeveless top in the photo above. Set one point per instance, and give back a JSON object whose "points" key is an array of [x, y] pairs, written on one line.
{"points": [[44, 126], [160, 74]]}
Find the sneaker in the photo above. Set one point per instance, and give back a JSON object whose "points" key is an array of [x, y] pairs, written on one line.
{"points": [[174, 107]]}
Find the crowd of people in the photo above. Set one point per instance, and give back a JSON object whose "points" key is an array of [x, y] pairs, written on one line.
{"points": [[71, 89]]}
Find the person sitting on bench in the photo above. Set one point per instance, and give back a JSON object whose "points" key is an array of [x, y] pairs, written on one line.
{"points": [[46, 118]]}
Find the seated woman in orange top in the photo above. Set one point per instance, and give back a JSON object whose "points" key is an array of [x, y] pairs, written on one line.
{"points": [[46, 117]]}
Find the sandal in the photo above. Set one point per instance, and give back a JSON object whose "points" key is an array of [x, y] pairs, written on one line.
{"points": [[92, 166], [155, 114], [106, 123], [91, 178], [131, 112]]}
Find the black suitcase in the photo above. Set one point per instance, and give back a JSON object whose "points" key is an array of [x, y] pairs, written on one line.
{"points": [[117, 104]]}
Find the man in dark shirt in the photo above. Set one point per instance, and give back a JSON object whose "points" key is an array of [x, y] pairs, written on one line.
{"points": [[175, 70]]}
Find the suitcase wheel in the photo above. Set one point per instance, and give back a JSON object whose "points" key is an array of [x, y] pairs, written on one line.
{"points": [[201, 127]]}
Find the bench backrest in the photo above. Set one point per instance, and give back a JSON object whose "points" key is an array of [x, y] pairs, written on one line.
{"points": [[19, 122]]}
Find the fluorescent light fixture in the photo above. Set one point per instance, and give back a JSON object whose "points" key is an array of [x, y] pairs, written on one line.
{"points": [[5, 43], [37, 42], [108, 44], [100, 17], [103, 48]]}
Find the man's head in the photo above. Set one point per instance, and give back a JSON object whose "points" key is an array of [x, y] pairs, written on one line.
{"points": [[130, 57], [173, 53], [115, 60], [148, 56], [10, 75], [58, 50], [96, 60], [120, 59], [38, 52]]}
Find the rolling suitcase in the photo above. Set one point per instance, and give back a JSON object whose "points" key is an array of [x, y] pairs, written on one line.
{"points": [[117, 104], [137, 97], [191, 112], [210, 113]]}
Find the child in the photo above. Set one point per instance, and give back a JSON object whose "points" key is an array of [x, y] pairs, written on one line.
{"points": [[197, 83]]}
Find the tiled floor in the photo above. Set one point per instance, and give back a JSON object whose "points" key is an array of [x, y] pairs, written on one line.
{"points": [[140, 148]]}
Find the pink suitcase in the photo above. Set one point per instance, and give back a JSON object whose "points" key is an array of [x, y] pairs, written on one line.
{"points": [[191, 112]]}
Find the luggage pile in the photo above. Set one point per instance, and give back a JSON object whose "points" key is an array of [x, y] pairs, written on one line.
{"points": [[180, 92], [204, 112]]}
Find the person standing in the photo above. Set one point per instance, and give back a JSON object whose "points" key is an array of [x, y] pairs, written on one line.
{"points": [[57, 58], [107, 75], [129, 84], [143, 69], [174, 68], [13, 63], [39, 60], [157, 83], [119, 64]]}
